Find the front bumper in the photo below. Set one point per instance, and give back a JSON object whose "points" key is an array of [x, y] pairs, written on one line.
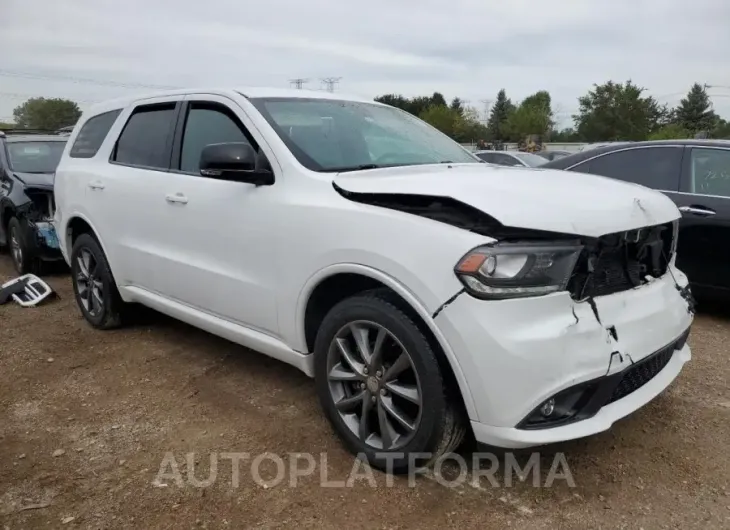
{"points": [[41, 239], [518, 353]]}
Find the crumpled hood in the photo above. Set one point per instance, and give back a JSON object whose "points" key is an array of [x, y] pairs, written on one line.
{"points": [[540, 199], [36, 180]]}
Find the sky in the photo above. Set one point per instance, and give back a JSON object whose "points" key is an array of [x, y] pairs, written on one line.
{"points": [[91, 50]]}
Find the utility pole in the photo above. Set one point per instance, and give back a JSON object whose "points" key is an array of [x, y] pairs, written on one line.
{"points": [[487, 105], [330, 83], [298, 82]]}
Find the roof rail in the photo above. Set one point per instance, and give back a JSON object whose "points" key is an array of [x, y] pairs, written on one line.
{"points": [[9, 131]]}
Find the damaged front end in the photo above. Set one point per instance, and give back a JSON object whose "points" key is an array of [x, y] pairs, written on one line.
{"points": [[35, 215], [560, 327], [541, 262]]}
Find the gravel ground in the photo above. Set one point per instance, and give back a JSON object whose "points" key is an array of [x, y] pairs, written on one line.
{"points": [[87, 419]]}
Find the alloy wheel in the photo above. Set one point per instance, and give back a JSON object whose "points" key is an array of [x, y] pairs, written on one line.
{"points": [[374, 385], [90, 288]]}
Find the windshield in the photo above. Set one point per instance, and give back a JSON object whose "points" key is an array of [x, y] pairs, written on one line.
{"points": [[331, 135], [35, 156], [530, 159]]}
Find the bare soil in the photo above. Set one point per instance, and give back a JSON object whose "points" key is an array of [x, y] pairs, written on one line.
{"points": [[111, 405]]}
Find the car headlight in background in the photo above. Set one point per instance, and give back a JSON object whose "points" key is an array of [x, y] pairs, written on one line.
{"points": [[514, 270]]}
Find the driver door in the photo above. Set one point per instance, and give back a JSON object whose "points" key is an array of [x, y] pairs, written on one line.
{"points": [[218, 231]]}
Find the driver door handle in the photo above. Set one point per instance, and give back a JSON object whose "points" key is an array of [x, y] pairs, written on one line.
{"points": [[96, 185], [697, 210], [177, 198]]}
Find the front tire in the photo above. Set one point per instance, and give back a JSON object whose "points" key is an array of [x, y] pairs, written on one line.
{"points": [[93, 283], [380, 385], [20, 253]]}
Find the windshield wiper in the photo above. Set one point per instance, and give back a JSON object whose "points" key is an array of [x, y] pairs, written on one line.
{"points": [[351, 168]]}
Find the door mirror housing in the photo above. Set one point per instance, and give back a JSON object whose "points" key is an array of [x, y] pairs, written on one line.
{"points": [[233, 161]]}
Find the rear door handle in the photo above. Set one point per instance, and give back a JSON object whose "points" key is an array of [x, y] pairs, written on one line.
{"points": [[96, 185], [178, 198], [697, 210]]}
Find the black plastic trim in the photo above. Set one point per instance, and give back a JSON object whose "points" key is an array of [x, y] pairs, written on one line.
{"points": [[595, 399]]}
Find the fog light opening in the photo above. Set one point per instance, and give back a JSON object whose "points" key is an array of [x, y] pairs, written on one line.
{"points": [[548, 408]]}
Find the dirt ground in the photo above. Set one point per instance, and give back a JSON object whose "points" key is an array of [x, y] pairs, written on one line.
{"points": [[87, 419]]}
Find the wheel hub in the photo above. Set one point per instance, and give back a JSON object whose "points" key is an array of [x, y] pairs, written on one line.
{"points": [[374, 385]]}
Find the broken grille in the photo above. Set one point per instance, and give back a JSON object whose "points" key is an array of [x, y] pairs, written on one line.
{"points": [[619, 262]]}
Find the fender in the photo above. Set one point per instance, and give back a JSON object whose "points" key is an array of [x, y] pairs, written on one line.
{"points": [[407, 295]]}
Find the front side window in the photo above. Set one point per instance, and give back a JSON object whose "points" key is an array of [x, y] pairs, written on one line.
{"points": [[654, 167], [207, 124], [35, 156], [330, 135], [710, 172], [145, 140]]}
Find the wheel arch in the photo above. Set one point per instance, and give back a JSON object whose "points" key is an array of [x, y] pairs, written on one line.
{"points": [[76, 225], [367, 278]]}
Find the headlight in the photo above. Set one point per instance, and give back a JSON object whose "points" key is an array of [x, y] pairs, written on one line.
{"points": [[514, 270]]}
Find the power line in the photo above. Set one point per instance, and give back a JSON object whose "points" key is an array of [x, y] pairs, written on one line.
{"points": [[80, 80], [330, 83], [19, 95], [298, 82]]}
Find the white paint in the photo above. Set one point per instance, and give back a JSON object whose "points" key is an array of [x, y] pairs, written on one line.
{"points": [[241, 261]]}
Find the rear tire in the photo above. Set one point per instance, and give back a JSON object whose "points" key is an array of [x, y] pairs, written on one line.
{"points": [[94, 287], [409, 420]]}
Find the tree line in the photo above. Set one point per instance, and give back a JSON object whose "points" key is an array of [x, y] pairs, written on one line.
{"points": [[609, 112]]}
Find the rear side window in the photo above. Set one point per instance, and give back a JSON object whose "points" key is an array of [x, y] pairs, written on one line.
{"points": [[487, 157], [92, 135], [506, 160], [654, 167], [146, 138]]}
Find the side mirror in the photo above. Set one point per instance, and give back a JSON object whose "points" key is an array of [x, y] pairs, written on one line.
{"points": [[233, 161]]}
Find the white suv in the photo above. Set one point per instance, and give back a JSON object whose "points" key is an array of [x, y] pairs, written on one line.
{"points": [[428, 294]]}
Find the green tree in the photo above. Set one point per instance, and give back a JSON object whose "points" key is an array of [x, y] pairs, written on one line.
{"points": [[46, 113], [564, 135], [469, 128], [534, 115], [5, 125], [458, 105], [722, 129], [395, 100], [694, 112], [616, 111], [498, 115], [417, 105], [438, 99], [444, 118], [671, 131]]}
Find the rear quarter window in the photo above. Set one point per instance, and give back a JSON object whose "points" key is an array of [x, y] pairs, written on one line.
{"points": [[92, 134]]}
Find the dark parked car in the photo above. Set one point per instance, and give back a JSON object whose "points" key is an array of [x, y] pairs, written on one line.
{"points": [[511, 158], [695, 174], [553, 155], [27, 166]]}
